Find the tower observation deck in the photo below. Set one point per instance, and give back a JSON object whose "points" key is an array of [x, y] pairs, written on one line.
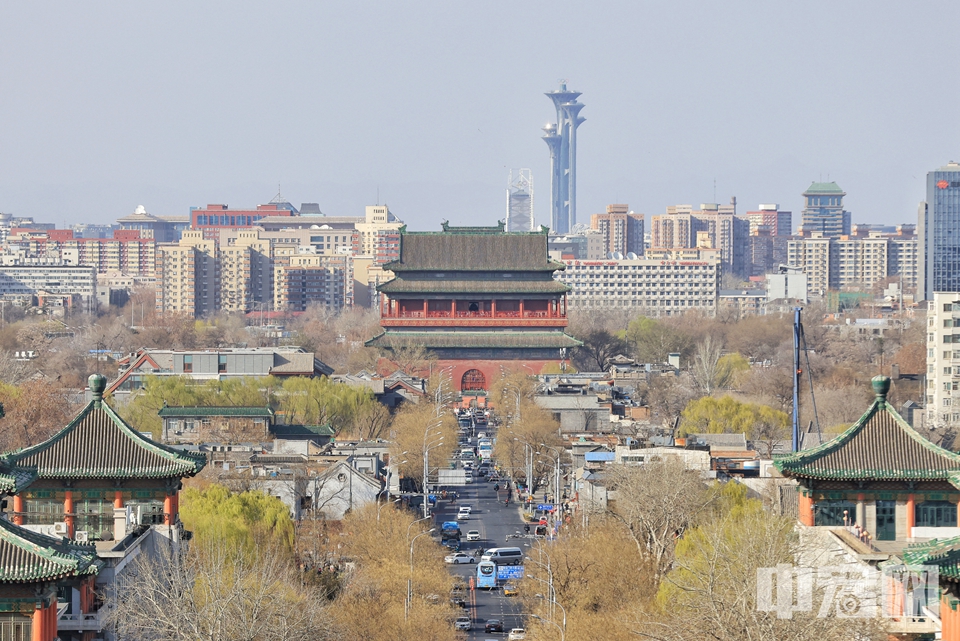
{"points": [[561, 138]]}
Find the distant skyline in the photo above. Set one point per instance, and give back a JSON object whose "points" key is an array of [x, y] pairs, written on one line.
{"points": [[109, 105]]}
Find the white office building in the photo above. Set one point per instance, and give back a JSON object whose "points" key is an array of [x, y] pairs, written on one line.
{"points": [[662, 283]]}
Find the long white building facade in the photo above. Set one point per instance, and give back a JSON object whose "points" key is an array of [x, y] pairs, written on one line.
{"points": [[665, 282]]}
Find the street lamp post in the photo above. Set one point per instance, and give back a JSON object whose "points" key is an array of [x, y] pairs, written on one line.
{"points": [[426, 471], [528, 463], [414, 541], [562, 609], [382, 505], [409, 600], [551, 622], [550, 589], [556, 477], [414, 523]]}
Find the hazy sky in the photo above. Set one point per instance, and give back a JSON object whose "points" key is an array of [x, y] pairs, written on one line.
{"points": [[106, 106]]}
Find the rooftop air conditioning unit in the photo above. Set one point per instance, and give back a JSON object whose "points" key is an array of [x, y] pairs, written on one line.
{"points": [[60, 528], [82, 536]]}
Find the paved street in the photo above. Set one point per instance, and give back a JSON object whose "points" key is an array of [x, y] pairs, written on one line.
{"points": [[495, 521]]}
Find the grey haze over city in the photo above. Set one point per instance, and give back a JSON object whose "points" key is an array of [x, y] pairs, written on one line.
{"points": [[426, 106]]}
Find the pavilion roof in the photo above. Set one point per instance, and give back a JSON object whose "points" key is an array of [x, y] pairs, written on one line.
{"points": [[99, 444], [29, 557], [944, 553], [879, 446], [473, 250], [13, 479]]}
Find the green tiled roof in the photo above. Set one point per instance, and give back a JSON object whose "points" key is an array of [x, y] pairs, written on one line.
{"points": [[253, 412], [879, 446], [301, 431], [823, 188], [403, 285], [482, 339], [98, 444], [472, 252], [13, 480], [30, 557], [944, 553]]}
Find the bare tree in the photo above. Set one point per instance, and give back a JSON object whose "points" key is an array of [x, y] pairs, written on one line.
{"points": [[218, 593], [657, 502], [711, 592], [709, 371]]}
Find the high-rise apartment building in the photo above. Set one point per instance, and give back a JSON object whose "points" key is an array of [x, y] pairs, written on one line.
{"points": [[713, 226], [246, 272], [520, 201], [943, 360], [561, 138], [314, 280], [379, 234], [129, 252], [855, 262], [586, 245], [823, 211], [622, 230], [770, 218], [938, 230], [188, 276]]}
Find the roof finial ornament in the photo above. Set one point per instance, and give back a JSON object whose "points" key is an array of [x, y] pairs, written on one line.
{"points": [[881, 386], [98, 383]]}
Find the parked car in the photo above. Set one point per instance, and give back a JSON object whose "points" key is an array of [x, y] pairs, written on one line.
{"points": [[473, 535], [493, 625], [510, 589], [516, 634], [459, 557], [463, 623]]}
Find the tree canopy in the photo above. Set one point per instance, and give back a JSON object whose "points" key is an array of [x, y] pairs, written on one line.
{"points": [[246, 519]]}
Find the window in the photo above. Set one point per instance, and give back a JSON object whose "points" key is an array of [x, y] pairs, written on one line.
{"points": [[222, 363], [834, 512], [935, 514], [187, 363]]}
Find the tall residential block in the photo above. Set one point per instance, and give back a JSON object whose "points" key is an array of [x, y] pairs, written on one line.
{"points": [[823, 211], [520, 201], [770, 218], [379, 234], [713, 226], [943, 360], [622, 230], [188, 276], [938, 229], [561, 138], [855, 262], [309, 280], [246, 272]]}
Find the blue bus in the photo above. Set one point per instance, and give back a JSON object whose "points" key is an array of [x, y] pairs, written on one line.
{"points": [[486, 575]]}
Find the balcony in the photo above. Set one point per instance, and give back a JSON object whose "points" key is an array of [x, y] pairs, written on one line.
{"points": [[473, 319], [81, 622]]}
